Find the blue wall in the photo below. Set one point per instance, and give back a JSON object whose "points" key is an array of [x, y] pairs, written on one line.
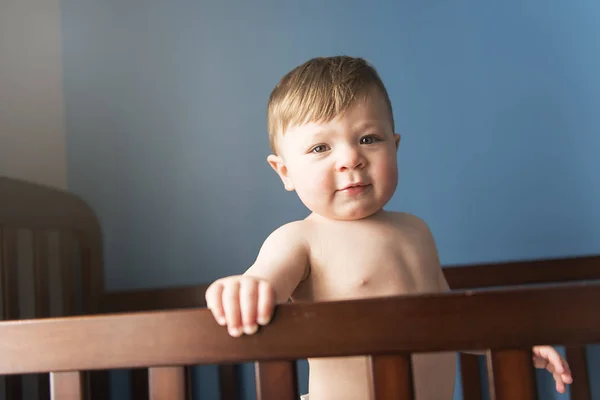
{"points": [[497, 104]]}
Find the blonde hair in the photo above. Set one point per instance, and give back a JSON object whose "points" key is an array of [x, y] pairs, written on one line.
{"points": [[318, 91]]}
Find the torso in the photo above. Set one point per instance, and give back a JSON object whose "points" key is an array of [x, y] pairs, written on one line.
{"points": [[379, 256]]}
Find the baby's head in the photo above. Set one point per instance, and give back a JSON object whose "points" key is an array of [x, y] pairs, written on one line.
{"points": [[331, 130]]}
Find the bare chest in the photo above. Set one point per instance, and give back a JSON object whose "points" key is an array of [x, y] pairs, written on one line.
{"points": [[363, 263]]}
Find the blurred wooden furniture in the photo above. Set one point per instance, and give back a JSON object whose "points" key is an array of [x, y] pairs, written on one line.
{"points": [[50, 255], [508, 322]]}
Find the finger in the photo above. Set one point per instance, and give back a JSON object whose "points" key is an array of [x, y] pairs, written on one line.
{"points": [[567, 375], [214, 303], [248, 305], [556, 360], [560, 386], [231, 305], [266, 302]]}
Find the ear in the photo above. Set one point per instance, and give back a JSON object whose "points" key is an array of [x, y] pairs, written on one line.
{"points": [[397, 139], [278, 165]]}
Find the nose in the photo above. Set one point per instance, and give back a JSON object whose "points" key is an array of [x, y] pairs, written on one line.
{"points": [[349, 158]]}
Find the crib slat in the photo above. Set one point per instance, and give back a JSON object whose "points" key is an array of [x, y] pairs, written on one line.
{"points": [[228, 381], [67, 272], [580, 388], [511, 375], [470, 377], [167, 383], [276, 380], [138, 379], [392, 377], [40, 268], [86, 274], [10, 287], [42, 294], [66, 385]]}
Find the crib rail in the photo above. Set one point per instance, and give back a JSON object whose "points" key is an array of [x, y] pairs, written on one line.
{"points": [[389, 329]]}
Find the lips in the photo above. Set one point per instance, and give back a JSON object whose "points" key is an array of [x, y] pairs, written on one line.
{"points": [[354, 185], [355, 188]]}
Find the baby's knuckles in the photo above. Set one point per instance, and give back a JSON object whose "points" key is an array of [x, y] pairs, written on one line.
{"points": [[248, 304]]}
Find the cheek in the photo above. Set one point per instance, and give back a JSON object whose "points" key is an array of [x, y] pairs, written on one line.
{"points": [[313, 179], [387, 169]]}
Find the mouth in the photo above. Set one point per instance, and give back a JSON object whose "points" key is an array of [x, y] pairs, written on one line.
{"points": [[355, 188]]}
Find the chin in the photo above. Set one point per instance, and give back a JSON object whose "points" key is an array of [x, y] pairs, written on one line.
{"points": [[353, 215]]}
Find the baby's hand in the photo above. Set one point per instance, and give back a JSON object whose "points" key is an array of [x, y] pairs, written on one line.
{"points": [[241, 303], [547, 357]]}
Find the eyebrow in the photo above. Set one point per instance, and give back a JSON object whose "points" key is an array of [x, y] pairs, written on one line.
{"points": [[370, 123], [359, 126]]}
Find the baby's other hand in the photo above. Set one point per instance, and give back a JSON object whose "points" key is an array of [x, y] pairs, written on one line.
{"points": [[241, 303], [547, 357]]}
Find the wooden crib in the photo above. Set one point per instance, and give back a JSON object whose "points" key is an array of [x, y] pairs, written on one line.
{"points": [[478, 277], [44, 211], [508, 322]]}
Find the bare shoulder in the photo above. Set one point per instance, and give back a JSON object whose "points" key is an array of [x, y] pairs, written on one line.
{"points": [[410, 223], [292, 234]]}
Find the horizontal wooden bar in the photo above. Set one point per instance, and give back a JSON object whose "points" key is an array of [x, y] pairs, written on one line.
{"points": [[153, 299], [523, 272], [416, 323]]}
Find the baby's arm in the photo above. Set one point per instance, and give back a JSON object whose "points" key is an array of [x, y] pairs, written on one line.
{"points": [[242, 302]]}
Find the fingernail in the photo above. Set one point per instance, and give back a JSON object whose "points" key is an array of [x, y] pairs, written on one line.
{"points": [[262, 320], [236, 332], [221, 321], [250, 329]]}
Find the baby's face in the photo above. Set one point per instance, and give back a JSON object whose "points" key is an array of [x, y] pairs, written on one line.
{"points": [[344, 169]]}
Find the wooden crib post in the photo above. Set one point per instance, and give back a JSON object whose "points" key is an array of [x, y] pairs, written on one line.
{"points": [[10, 292], [276, 380], [41, 294], [392, 377], [167, 383], [580, 388], [511, 375], [66, 385], [471, 379], [66, 262]]}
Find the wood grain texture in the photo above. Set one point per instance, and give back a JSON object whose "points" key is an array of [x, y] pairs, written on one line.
{"points": [[471, 378], [276, 380], [511, 375], [42, 294], [560, 270], [167, 383], [577, 359], [392, 377], [13, 388], [66, 386], [440, 322]]}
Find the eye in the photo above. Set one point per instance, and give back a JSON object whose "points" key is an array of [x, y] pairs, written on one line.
{"points": [[320, 148], [369, 139]]}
